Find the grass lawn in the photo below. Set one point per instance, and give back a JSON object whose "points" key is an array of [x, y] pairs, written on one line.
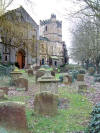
{"points": [[75, 118]]}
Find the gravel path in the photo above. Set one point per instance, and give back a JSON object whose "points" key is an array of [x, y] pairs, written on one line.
{"points": [[93, 92]]}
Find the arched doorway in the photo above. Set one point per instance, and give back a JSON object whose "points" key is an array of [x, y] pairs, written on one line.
{"points": [[21, 58]]}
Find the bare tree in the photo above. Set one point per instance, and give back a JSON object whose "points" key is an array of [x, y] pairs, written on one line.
{"points": [[86, 35]]}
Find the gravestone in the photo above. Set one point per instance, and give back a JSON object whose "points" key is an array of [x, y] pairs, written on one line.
{"points": [[39, 74], [14, 75], [55, 70], [52, 73], [67, 79], [48, 83], [21, 83], [82, 71], [2, 94], [5, 89], [12, 117], [91, 70], [80, 77], [30, 72], [45, 103], [82, 88]]}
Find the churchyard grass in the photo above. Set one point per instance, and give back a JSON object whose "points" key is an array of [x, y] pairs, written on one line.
{"points": [[75, 118], [19, 98]]}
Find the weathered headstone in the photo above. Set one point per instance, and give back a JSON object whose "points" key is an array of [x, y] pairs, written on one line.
{"points": [[91, 70], [14, 75], [48, 83], [52, 73], [5, 89], [67, 79], [82, 88], [45, 103], [80, 77], [39, 74], [2, 94], [12, 117], [55, 70], [82, 71], [30, 72], [21, 83]]}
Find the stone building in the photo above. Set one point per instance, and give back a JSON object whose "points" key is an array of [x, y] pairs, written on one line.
{"points": [[19, 38], [51, 45]]}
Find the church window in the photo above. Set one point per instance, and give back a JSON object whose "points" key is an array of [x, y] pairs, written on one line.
{"points": [[6, 58], [42, 61], [46, 28], [55, 63]]}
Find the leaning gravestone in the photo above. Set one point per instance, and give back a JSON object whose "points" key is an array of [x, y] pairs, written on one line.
{"points": [[45, 103], [21, 83], [12, 117], [80, 77]]}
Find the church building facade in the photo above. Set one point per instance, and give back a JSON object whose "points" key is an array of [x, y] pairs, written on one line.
{"points": [[51, 42], [19, 35]]}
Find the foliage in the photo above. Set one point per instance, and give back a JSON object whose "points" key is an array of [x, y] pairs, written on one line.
{"points": [[94, 126], [86, 33]]}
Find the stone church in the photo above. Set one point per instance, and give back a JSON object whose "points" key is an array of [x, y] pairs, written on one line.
{"points": [[23, 42], [52, 49], [19, 35]]}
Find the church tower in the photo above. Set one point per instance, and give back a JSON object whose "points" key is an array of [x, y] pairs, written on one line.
{"points": [[51, 29]]}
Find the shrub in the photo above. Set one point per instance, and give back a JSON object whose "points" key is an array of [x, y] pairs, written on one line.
{"points": [[94, 125]]}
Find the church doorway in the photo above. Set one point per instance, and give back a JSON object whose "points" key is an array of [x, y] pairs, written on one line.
{"points": [[21, 58]]}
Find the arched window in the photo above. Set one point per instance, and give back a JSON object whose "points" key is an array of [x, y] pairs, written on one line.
{"points": [[6, 58], [55, 63], [42, 61]]}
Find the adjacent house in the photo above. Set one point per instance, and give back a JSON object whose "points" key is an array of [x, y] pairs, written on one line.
{"points": [[19, 35]]}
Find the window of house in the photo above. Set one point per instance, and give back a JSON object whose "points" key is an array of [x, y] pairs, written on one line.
{"points": [[6, 58]]}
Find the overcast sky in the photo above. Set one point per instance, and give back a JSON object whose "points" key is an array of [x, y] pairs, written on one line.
{"points": [[42, 9]]}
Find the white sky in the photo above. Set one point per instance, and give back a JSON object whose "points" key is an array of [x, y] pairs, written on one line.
{"points": [[42, 9]]}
